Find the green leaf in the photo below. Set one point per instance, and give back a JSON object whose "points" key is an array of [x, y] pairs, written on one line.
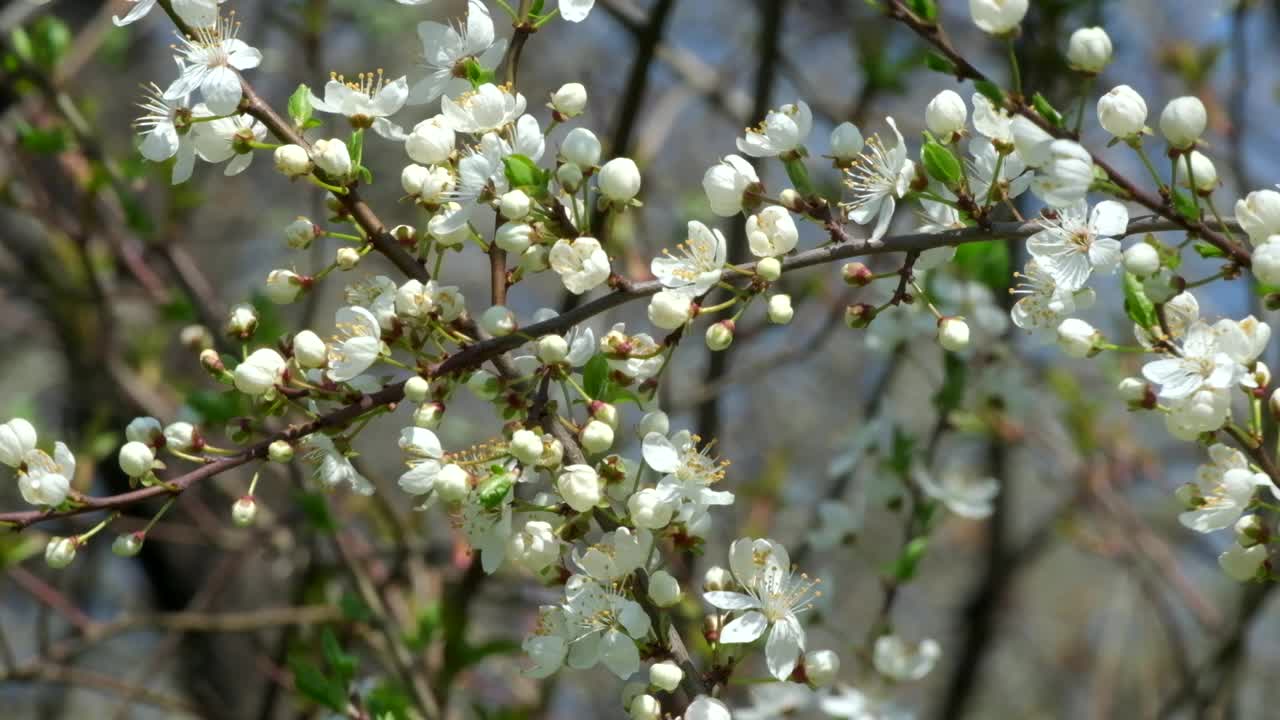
{"points": [[355, 145], [216, 408], [939, 63], [900, 452], [21, 43], [1136, 303], [990, 91], [354, 609], [430, 619], [340, 662], [619, 394], [941, 164], [1205, 250], [50, 39], [477, 75], [43, 141], [300, 109], [523, 172], [595, 376], [926, 10], [313, 684], [316, 510], [987, 262], [951, 394], [388, 700], [1186, 206], [1046, 110], [904, 568]]}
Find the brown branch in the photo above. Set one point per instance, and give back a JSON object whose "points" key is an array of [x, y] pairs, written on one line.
{"points": [[472, 356]]}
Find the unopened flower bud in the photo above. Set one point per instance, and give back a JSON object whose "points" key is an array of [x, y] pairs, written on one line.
{"points": [[211, 361], [333, 157], [136, 459], [195, 337], [769, 269], [846, 142], [280, 451], [570, 100], [1122, 112], [242, 321], [453, 483], [1250, 531], [821, 667], [128, 545], [416, 389], [309, 350], [1132, 389], [570, 177], [946, 116], [859, 316], [717, 578], [665, 676], [1183, 121], [664, 589], [720, 335], [1274, 403], [596, 437], [791, 200], [1261, 374], [620, 180], [60, 551], [244, 511], [552, 453], [605, 412], [579, 485], [428, 415], [997, 17], [856, 274], [526, 446], [953, 334], [515, 206], [431, 142], [498, 321], [282, 286], [1204, 174], [300, 233], [182, 436], [645, 707], [347, 258], [670, 309], [293, 160], [552, 349], [1142, 260], [1078, 338], [581, 148], [656, 421], [780, 310], [1089, 50]]}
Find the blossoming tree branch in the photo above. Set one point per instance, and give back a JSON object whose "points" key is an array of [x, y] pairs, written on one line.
{"points": [[587, 487]]}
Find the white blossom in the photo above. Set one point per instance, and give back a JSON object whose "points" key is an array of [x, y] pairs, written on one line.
{"points": [[367, 102], [878, 178], [1069, 249], [783, 131], [699, 264], [963, 494], [446, 50], [771, 599], [581, 264], [357, 345], [211, 63]]}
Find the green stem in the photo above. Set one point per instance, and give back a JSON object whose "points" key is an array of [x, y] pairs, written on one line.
{"points": [[1014, 71]]}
